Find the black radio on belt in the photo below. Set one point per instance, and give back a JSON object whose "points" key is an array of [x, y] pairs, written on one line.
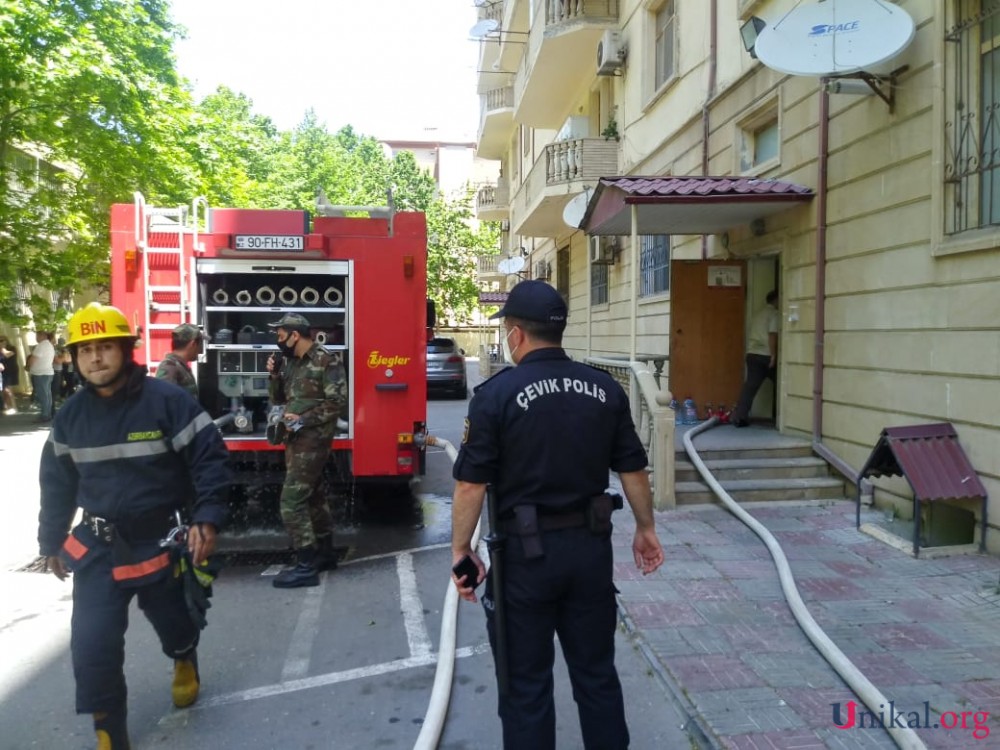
{"points": [[599, 511]]}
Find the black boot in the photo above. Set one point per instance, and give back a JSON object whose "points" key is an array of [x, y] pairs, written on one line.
{"points": [[304, 573], [326, 555]]}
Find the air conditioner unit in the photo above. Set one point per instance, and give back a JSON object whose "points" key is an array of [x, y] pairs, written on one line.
{"points": [[609, 53], [543, 270], [602, 251]]}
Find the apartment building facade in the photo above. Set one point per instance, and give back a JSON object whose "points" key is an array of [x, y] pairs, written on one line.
{"points": [[699, 179]]}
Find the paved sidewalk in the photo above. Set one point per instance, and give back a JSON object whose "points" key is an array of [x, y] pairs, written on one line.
{"points": [[717, 627]]}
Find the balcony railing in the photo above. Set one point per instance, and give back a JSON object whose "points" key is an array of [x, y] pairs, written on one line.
{"points": [[579, 159], [494, 99], [486, 265], [493, 198], [562, 11]]}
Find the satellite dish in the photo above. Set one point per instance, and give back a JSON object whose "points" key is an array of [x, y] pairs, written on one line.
{"points": [[835, 37], [574, 211], [511, 265], [484, 27]]}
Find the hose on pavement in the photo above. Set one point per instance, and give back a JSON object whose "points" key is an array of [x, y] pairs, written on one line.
{"points": [[904, 737], [437, 707]]}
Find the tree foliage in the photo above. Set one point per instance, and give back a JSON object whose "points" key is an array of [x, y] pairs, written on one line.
{"points": [[92, 109], [89, 85]]}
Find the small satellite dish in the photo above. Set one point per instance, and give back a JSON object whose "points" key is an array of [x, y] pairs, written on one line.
{"points": [[511, 265], [835, 37], [576, 208], [484, 27]]}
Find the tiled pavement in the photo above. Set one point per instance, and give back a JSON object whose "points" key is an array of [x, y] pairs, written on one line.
{"points": [[714, 621]]}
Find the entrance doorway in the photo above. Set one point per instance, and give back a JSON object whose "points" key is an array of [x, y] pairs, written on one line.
{"points": [[707, 331]]}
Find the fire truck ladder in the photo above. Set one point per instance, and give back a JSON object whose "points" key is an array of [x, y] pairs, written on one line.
{"points": [[160, 232]]}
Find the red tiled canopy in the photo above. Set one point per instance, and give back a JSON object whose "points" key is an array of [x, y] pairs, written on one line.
{"points": [[686, 205]]}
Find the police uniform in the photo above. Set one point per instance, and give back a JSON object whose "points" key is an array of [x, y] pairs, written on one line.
{"points": [[545, 434], [129, 461]]}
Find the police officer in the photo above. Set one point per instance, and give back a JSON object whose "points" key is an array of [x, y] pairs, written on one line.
{"points": [[129, 451], [545, 434], [185, 343], [312, 385]]}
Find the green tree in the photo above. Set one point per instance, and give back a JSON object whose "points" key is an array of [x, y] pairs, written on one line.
{"points": [[88, 86]]}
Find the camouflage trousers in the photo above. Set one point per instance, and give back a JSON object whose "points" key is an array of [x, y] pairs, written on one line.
{"points": [[304, 509]]}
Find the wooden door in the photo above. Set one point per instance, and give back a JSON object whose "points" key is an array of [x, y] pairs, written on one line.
{"points": [[707, 309]]}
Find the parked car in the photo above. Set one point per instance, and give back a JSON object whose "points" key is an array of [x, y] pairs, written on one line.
{"points": [[446, 367]]}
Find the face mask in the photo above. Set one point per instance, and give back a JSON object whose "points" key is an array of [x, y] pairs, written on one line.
{"points": [[507, 353], [287, 349]]}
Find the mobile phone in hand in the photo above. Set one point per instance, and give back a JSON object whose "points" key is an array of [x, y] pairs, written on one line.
{"points": [[466, 567]]}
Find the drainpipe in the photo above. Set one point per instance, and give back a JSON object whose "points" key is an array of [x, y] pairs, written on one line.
{"points": [[713, 39], [820, 331]]}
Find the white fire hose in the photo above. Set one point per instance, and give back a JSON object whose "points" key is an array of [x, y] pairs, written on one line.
{"points": [[265, 295], [288, 296], [309, 296], [243, 297], [333, 297], [220, 297], [904, 737], [437, 707]]}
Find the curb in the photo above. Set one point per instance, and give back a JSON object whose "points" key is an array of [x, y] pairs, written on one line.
{"points": [[694, 724]]}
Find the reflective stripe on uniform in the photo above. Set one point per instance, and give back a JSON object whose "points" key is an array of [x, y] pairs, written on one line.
{"points": [[118, 450], [60, 449], [74, 547], [127, 572], [187, 434]]}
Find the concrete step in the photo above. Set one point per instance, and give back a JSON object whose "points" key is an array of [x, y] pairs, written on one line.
{"points": [[754, 468], [753, 490], [725, 454]]}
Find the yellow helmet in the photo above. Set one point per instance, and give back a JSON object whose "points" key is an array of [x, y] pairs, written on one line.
{"points": [[97, 321]]}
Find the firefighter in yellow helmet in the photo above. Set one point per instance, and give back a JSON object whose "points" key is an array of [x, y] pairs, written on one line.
{"points": [[130, 451]]}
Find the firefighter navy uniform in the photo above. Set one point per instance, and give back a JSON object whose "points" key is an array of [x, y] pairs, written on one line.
{"points": [[129, 461], [545, 434]]}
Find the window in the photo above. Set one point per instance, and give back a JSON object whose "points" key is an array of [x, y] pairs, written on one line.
{"points": [[654, 264], [759, 146], [972, 130], [664, 31], [598, 284], [562, 273]]}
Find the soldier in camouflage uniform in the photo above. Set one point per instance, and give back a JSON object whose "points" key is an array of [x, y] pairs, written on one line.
{"points": [[185, 342], [313, 387]]}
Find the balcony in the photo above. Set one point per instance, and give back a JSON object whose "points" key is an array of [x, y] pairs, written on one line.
{"points": [[560, 174], [493, 202], [561, 56], [496, 121]]}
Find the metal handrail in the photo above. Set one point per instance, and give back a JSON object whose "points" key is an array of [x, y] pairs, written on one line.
{"points": [[654, 421]]}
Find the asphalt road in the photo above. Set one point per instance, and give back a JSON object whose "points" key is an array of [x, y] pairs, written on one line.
{"points": [[347, 664]]}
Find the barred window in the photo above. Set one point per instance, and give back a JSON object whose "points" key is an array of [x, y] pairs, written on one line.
{"points": [[598, 284], [654, 264], [972, 130]]}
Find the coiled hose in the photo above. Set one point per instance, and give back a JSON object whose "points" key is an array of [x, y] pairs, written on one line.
{"points": [[904, 737]]}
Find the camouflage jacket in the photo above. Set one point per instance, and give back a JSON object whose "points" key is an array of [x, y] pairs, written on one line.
{"points": [[176, 370], [313, 386]]}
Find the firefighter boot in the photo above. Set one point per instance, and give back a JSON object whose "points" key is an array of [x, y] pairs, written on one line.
{"points": [[326, 555], [111, 728], [187, 682], [304, 573]]}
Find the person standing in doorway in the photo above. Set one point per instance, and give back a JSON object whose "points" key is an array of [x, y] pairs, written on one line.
{"points": [[545, 433], [762, 357], [312, 386], [41, 368]]}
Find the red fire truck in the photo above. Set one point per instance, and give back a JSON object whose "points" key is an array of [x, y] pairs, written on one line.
{"points": [[357, 273]]}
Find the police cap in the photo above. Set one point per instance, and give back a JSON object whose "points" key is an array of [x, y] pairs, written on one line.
{"points": [[533, 300], [291, 321]]}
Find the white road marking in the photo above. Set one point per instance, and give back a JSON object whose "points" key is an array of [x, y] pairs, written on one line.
{"points": [[333, 678], [301, 644], [412, 608]]}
